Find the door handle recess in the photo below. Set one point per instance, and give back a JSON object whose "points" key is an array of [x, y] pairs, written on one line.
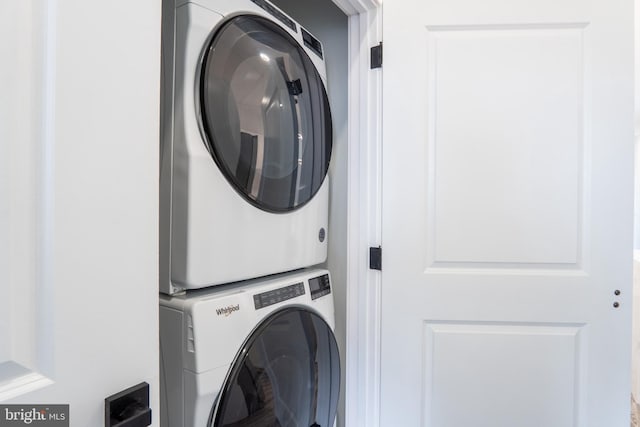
{"points": [[129, 408]]}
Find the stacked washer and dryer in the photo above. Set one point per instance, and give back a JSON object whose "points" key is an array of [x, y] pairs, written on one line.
{"points": [[246, 321]]}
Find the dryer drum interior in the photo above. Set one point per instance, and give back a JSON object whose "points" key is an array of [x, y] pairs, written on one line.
{"points": [[286, 375], [265, 114]]}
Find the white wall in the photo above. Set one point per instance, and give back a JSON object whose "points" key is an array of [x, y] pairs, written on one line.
{"points": [[80, 84], [328, 23]]}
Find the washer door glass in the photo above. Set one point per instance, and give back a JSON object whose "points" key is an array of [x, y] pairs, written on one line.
{"points": [[286, 375], [265, 114]]}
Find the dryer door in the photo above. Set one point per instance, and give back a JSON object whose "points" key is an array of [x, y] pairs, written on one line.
{"points": [[286, 375], [265, 114]]}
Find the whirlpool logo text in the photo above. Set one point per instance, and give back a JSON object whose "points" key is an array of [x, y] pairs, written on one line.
{"points": [[227, 310]]}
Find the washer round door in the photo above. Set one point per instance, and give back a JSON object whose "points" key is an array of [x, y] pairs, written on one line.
{"points": [[286, 375], [265, 114]]}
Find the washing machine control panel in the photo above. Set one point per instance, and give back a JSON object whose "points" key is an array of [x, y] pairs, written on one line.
{"points": [[265, 299], [319, 286]]}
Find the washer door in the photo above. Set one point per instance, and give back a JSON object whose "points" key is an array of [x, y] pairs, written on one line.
{"points": [[286, 375], [265, 114]]}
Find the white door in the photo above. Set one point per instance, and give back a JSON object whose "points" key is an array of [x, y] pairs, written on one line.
{"points": [[79, 122], [507, 213]]}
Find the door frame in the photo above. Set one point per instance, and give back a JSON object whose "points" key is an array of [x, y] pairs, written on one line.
{"points": [[364, 219]]}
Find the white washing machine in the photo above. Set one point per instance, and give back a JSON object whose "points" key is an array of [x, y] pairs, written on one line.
{"points": [[259, 354], [246, 143]]}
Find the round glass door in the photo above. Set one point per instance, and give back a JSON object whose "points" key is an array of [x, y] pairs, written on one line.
{"points": [[286, 375], [265, 114]]}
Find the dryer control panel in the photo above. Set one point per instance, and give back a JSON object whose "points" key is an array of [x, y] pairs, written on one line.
{"points": [[319, 286]]}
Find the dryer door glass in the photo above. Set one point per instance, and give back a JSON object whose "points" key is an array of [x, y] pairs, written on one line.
{"points": [[286, 375], [265, 114]]}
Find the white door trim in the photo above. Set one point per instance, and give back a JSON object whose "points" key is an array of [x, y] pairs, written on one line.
{"points": [[362, 395], [362, 400], [354, 7]]}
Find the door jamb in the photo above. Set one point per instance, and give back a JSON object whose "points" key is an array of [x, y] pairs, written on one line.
{"points": [[364, 195]]}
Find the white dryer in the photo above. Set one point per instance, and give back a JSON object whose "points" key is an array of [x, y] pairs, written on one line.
{"points": [[259, 354], [246, 143]]}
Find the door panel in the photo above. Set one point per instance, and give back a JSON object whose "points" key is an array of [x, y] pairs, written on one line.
{"points": [[554, 358], [507, 203], [514, 146], [78, 204], [25, 321]]}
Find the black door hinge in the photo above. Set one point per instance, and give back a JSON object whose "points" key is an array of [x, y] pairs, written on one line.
{"points": [[375, 258], [376, 56]]}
